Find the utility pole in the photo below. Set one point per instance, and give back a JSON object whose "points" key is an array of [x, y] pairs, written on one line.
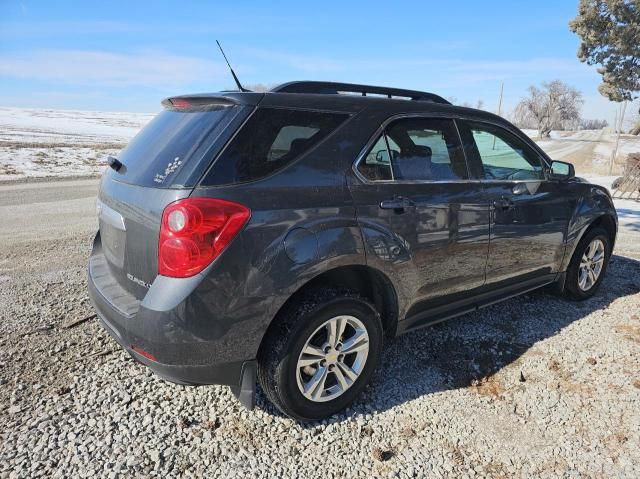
{"points": [[499, 111], [614, 153]]}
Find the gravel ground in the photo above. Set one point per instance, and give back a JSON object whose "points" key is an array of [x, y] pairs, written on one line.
{"points": [[535, 386]]}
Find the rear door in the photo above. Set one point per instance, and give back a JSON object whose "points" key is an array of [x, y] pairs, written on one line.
{"points": [[423, 222], [529, 213], [157, 164]]}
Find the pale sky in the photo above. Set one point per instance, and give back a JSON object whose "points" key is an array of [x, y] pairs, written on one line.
{"points": [[127, 56]]}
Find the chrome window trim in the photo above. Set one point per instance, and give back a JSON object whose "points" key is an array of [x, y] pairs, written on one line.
{"points": [[437, 115]]}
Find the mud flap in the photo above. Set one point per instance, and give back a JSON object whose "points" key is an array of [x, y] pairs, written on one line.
{"points": [[246, 391], [558, 285]]}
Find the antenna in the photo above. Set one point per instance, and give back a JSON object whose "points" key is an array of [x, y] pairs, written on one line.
{"points": [[240, 87]]}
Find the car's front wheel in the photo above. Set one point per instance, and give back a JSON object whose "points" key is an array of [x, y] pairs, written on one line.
{"points": [[320, 354], [588, 264]]}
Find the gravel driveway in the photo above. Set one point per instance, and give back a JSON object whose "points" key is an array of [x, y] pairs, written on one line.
{"points": [[535, 386]]}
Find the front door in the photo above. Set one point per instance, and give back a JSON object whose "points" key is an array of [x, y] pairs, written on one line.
{"points": [[529, 213], [423, 223]]}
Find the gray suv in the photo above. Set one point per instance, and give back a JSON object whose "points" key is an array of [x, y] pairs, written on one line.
{"points": [[283, 236]]}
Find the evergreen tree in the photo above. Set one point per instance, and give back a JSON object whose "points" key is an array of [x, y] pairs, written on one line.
{"points": [[610, 33]]}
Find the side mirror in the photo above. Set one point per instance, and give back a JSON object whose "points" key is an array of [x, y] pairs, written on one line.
{"points": [[382, 157], [561, 170]]}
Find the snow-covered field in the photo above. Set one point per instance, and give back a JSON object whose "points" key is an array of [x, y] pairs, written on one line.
{"points": [[42, 143], [45, 143]]}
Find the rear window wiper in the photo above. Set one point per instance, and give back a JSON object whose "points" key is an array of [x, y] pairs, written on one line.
{"points": [[115, 163]]}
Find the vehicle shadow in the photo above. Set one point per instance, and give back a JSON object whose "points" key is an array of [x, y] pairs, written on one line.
{"points": [[460, 353], [630, 218]]}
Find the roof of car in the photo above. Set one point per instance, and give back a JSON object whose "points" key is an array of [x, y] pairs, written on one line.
{"points": [[340, 96], [335, 88]]}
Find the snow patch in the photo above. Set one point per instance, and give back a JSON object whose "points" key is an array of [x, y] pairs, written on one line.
{"points": [[37, 143]]}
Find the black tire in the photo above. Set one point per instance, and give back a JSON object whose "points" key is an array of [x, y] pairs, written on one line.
{"points": [[572, 289], [278, 356]]}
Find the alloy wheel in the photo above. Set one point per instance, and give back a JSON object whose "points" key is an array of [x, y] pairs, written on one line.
{"points": [[591, 265], [332, 358]]}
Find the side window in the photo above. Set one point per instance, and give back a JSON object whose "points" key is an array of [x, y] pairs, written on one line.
{"points": [[376, 165], [271, 139], [286, 139], [427, 150], [503, 155]]}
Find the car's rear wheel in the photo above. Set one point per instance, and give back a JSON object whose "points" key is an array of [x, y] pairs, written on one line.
{"points": [[588, 264], [320, 354]]}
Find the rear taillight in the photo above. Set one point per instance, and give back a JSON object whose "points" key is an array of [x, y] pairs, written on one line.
{"points": [[194, 232], [180, 103]]}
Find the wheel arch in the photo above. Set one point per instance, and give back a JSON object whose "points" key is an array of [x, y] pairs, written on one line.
{"points": [[605, 220], [369, 282], [608, 223], [566, 283]]}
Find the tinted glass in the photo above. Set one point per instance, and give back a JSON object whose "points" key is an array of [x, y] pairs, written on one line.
{"points": [[166, 144], [376, 165], [271, 139], [427, 150], [503, 155]]}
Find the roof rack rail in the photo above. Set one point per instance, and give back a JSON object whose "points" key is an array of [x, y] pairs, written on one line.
{"points": [[333, 88]]}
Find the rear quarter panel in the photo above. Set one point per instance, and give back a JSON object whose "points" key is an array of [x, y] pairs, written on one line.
{"points": [[302, 224]]}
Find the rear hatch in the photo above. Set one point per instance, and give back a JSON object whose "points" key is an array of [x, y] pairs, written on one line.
{"points": [[162, 164]]}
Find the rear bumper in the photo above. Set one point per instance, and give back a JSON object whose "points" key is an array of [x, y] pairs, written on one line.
{"points": [[226, 373], [172, 340]]}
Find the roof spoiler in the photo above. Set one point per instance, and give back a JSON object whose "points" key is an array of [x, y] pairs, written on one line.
{"points": [[197, 102]]}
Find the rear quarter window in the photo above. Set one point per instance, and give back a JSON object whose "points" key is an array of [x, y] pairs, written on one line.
{"points": [[271, 139]]}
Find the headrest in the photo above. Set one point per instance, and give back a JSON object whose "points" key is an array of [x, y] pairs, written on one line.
{"points": [[416, 150]]}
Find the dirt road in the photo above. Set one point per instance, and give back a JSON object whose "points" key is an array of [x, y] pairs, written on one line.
{"points": [[577, 148], [46, 210]]}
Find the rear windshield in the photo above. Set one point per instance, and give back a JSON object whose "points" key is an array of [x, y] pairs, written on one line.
{"points": [[271, 139], [158, 152]]}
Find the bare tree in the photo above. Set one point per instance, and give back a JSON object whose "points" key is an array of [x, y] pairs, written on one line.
{"points": [[522, 118], [467, 104], [259, 87], [593, 124], [555, 105]]}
